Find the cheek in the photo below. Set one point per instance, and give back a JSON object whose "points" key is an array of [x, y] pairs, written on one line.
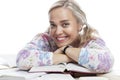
{"points": [[51, 33], [73, 31], [74, 34]]}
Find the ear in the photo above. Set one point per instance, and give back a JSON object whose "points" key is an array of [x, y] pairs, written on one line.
{"points": [[80, 27]]}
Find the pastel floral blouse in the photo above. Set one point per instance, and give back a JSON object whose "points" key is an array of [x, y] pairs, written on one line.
{"points": [[39, 51]]}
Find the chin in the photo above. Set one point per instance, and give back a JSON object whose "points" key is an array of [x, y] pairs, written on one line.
{"points": [[61, 45]]}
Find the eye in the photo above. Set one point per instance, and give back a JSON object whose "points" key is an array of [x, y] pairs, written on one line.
{"points": [[52, 25], [65, 24]]}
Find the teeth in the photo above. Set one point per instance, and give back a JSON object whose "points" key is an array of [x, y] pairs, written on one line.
{"points": [[60, 38]]}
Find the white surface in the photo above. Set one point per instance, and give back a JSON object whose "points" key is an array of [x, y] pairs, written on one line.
{"points": [[21, 20], [3, 62], [8, 60]]}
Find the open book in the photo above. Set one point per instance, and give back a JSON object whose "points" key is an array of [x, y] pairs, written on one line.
{"points": [[55, 76], [16, 74], [3, 67], [70, 67]]}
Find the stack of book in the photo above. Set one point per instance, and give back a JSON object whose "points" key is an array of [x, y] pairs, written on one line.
{"points": [[74, 69], [63, 71], [16, 74]]}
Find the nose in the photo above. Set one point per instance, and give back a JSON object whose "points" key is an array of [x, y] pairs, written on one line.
{"points": [[59, 30]]}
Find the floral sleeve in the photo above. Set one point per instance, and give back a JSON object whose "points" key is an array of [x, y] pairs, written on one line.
{"points": [[38, 52], [96, 56]]}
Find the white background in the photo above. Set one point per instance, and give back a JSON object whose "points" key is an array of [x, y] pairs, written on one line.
{"points": [[21, 20]]}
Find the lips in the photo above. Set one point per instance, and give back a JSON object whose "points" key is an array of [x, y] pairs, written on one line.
{"points": [[61, 39]]}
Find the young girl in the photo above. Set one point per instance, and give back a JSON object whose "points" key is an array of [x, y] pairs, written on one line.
{"points": [[69, 39]]}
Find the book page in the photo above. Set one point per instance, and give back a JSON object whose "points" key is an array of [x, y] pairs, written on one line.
{"points": [[93, 78], [11, 78], [56, 76], [77, 68], [16, 73], [52, 68], [61, 68], [3, 67]]}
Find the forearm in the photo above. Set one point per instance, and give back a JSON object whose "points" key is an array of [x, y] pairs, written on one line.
{"points": [[38, 52], [73, 53], [29, 58], [96, 56], [96, 60], [60, 58]]}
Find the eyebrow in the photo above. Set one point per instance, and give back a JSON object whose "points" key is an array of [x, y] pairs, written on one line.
{"points": [[64, 21], [60, 21]]}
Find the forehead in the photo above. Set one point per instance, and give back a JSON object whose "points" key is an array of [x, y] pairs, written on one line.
{"points": [[61, 13]]}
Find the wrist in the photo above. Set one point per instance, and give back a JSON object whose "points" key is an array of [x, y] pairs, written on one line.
{"points": [[65, 48]]}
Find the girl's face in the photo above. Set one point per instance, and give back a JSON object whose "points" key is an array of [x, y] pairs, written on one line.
{"points": [[64, 28]]}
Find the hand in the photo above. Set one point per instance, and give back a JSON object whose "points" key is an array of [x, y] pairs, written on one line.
{"points": [[71, 52], [59, 57], [58, 51], [62, 48]]}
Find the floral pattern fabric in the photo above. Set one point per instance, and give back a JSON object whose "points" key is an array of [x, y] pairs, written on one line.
{"points": [[96, 56], [39, 51]]}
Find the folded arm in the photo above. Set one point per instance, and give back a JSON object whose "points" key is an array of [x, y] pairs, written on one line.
{"points": [[40, 51], [95, 56]]}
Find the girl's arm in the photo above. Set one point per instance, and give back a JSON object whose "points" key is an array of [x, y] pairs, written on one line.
{"points": [[35, 53], [40, 51], [95, 56]]}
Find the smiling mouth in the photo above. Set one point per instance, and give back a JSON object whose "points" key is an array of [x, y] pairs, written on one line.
{"points": [[61, 39]]}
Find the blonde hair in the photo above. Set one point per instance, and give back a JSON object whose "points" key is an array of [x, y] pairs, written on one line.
{"points": [[87, 31]]}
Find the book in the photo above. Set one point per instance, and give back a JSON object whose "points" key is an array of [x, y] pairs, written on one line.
{"points": [[3, 67], [70, 67], [16, 74], [55, 76], [93, 78]]}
